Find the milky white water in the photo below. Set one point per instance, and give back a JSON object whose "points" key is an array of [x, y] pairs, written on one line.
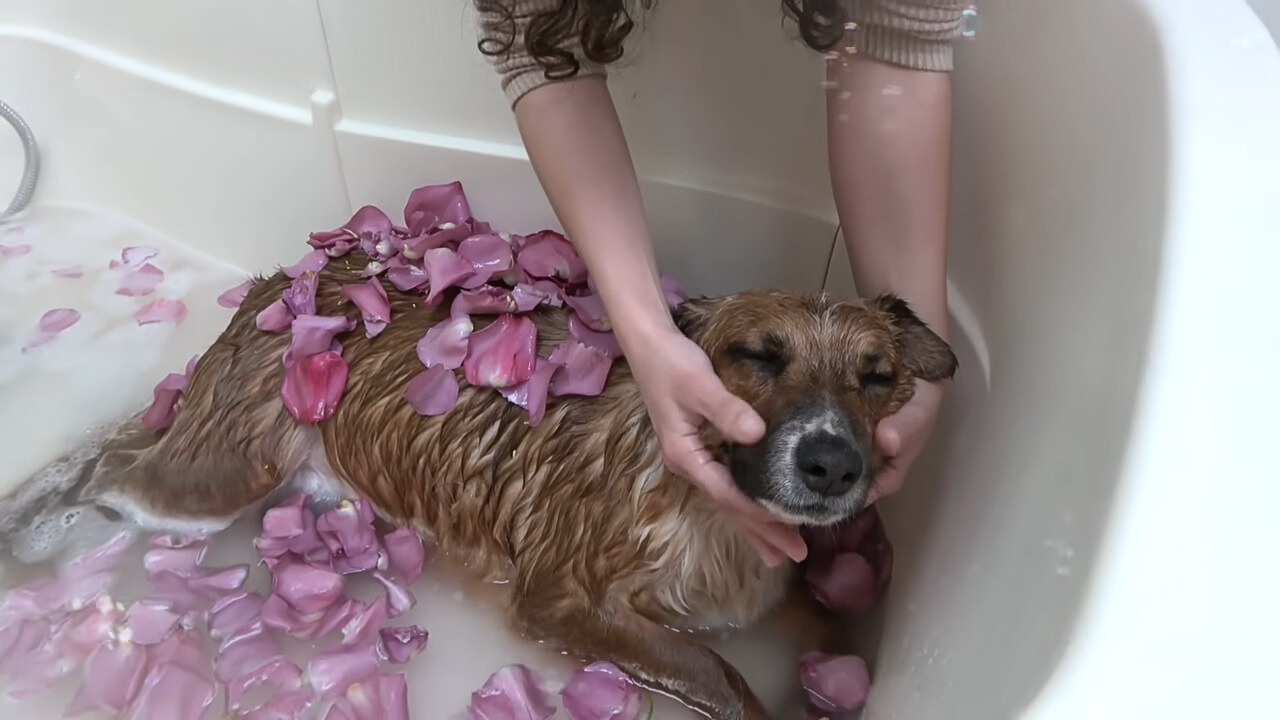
{"points": [[106, 365]]}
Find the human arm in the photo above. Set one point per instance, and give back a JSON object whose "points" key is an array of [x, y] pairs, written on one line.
{"points": [[889, 145]]}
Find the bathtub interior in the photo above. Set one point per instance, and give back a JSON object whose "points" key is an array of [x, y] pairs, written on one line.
{"points": [[225, 156]]}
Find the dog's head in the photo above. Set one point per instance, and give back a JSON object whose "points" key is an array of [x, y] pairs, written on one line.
{"points": [[822, 372]]}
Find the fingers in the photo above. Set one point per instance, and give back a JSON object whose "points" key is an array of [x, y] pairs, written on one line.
{"points": [[889, 439], [733, 416]]}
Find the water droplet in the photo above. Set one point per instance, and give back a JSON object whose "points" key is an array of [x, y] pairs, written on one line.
{"points": [[829, 84], [969, 22]]}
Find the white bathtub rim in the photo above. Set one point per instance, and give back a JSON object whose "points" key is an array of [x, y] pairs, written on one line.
{"points": [[1130, 654]]}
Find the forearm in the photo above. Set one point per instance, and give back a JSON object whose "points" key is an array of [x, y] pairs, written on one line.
{"points": [[576, 144], [889, 143]]}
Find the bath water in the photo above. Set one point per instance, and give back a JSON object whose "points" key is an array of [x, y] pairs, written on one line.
{"points": [[105, 365]]}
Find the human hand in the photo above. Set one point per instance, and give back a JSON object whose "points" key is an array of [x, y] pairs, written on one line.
{"points": [[681, 392], [902, 436]]}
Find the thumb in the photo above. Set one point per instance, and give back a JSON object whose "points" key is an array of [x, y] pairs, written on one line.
{"points": [[734, 417], [889, 440]]}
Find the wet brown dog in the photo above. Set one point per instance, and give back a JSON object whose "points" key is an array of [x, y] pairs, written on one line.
{"points": [[601, 549]]}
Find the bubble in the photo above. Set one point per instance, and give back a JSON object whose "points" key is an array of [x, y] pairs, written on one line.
{"points": [[969, 22]]}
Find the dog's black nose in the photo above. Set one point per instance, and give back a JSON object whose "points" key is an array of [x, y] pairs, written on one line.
{"points": [[828, 464]]}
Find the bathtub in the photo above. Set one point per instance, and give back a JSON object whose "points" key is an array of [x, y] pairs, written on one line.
{"points": [[1091, 531]]}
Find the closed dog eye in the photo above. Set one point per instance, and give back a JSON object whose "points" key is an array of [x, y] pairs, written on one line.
{"points": [[767, 358]]}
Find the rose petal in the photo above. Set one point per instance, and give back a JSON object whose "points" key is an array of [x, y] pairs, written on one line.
{"points": [[275, 317], [277, 614], [112, 675], [433, 205], [399, 599], [445, 343], [314, 334], [488, 255], [182, 648], [367, 222], [513, 693], [183, 561], [70, 271], [171, 691], [162, 310], [280, 674], [142, 281], [14, 251], [347, 531], [402, 644], [283, 706], [532, 394], [600, 691], [234, 613], [332, 672], [371, 299], [502, 354], [289, 527], [384, 697], [104, 558], [487, 300], [312, 262], [313, 386], [407, 277], [583, 370], [549, 255], [215, 584], [374, 268], [134, 256], [307, 589], [673, 291], [51, 324], [300, 296], [834, 683], [233, 297], [164, 404], [405, 553], [22, 643], [590, 310], [605, 341], [445, 269], [433, 391], [246, 651], [150, 622], [364, 621]]}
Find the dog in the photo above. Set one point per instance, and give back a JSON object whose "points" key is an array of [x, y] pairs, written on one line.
{"points": [[601, 551]]}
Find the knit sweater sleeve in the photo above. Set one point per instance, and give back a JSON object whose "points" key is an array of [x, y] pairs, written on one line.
{"points": [[518, 69], [916, 34]]}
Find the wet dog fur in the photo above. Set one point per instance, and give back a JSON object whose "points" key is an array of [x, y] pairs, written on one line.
{"points": [[602, 552]]}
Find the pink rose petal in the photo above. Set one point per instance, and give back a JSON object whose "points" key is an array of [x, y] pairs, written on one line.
{"points": [[313, 386], [162, 310], [234, 613], [605, 341], [142, 281], [164, 405], [407, 277], [433, 205], [433, 391], [292, 705], [14, 251], [306, 588], [280, 674], [367, 222], [405, 553], [445, 269], [150, 622], [590, 310], [532, 393], [549, 255], [486, 300], [384, 697], [583, 370], [312, 262], [104, 558], [834, 683], [371, 299], [402, 644], [314, 334], [600, 691], [246, 651], [51, 324], [849, 567], [489, 255], [527, 297], [218, 583], [673, 291], [513, 693], [289, 527], [399, 598], [300, 296], [276, 317], [70, 271], [181, 561], [182, 648], [233, 297], [134, 256], [445, 343], [171, 692], [334, 671], [112, 676], [365, 621], [347, 530], [502, 354]]}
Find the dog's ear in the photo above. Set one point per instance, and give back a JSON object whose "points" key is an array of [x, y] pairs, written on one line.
{"points": [[693, 315], [923, 353]]}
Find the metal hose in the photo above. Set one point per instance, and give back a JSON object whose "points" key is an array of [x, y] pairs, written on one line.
{"points": [[30, 170]]}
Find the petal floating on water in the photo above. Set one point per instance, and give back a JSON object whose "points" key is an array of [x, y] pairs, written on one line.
{"points": [[433, 391], [313, 386]]}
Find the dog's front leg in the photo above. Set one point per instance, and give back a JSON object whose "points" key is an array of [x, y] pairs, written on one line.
{"points": [[654, 657]]}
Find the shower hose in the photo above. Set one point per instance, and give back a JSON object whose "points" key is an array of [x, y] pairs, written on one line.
{"points": [[30, 170]]}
